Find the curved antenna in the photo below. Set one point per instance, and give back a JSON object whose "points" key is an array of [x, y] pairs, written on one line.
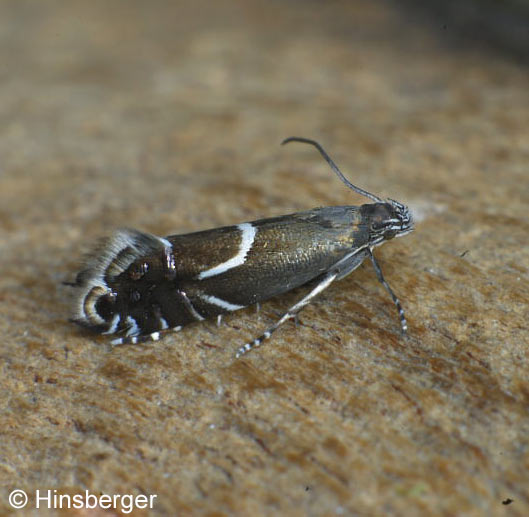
{"points": [[334, 167]]}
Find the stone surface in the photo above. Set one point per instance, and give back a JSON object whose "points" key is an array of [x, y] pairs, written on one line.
{"points": [[167, 117]]}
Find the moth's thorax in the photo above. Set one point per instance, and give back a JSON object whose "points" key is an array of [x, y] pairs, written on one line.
{"points": [[386, 220]]}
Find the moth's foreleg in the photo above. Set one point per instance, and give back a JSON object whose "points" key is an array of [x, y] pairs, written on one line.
{"points": [[292, 312], [396, 301]]}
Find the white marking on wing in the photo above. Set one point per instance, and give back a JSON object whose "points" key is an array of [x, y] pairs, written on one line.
{"points": [[166, 243], [220, 303], [248, 233], [87, 305]]}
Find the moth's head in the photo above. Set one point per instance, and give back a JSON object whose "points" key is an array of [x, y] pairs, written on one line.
{"points": [[387, 220]]}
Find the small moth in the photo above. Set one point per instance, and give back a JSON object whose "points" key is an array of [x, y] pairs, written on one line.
{"points": [[137, 285]]}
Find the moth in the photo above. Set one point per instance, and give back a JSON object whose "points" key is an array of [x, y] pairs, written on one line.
{"points": [[136, 285]]}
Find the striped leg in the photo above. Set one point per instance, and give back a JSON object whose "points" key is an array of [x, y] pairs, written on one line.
{"points": [[292, 312], [133, 340], [380, 276]]}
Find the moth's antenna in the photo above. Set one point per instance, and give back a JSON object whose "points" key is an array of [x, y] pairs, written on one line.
{"points": [[334, 167]]}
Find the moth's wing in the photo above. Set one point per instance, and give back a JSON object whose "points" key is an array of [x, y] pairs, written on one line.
{"points": [[241, 265]]}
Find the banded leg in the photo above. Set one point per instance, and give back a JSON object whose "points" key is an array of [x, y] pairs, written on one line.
{"points": [[292, 312], [396, 301], [134, 340]]}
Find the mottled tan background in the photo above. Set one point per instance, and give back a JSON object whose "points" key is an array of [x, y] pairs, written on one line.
{"points": [[167, 117]]}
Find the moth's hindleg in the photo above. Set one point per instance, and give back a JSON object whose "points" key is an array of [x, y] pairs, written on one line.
{"points": [[292, 312]]}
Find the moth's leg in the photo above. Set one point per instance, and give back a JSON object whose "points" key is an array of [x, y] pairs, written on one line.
{"points": [[296, 320], [133, 340], [133, 334], [396, 301], [219, 320], [189, 306], [323, 284]]}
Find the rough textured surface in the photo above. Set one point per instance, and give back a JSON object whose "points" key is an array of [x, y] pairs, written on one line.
{"points": [[167, 117]]}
